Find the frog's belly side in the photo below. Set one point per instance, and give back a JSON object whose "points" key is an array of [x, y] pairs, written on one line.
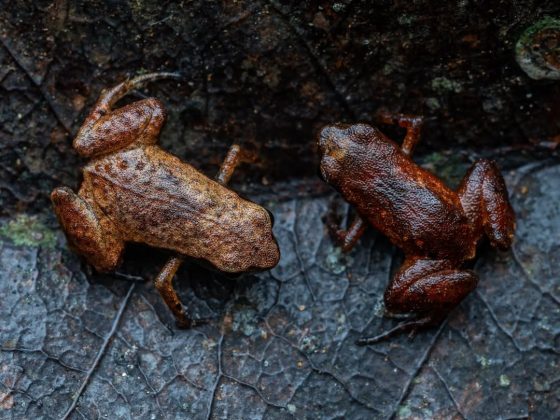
{"points": [[156, 199]]}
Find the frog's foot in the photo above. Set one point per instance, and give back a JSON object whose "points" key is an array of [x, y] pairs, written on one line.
{"points": [[94, 238], [431, 287], [234, 157], [484, 198], [413, 326], [345, 239], [164, 284], [109, 97]]}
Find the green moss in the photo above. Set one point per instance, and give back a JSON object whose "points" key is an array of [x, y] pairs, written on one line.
{"points": [[444, 85], [504, 381], [28, 231], [404, 412], [336, 260], [433, 103], [538, 49], [484, 362], [450, 168]]}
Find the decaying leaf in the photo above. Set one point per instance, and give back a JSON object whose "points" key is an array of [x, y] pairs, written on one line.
{"points": [[268, 74], [282, 343]]}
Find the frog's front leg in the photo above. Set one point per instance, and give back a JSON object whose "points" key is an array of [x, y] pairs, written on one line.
{"points": [[234, 157], [95, 238], [412, 123], [430, 288], [346, 239], [484, 198], [106, 130]]}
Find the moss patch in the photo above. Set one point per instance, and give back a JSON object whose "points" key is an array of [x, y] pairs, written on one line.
{"points": [[28, 231], [450, 168], [538, 49]]}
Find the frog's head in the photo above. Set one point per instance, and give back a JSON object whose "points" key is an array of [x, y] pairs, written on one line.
{"points": [[341, 147]]}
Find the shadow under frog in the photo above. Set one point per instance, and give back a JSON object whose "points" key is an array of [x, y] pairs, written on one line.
{"points": [[437, 228], [133, 191]]}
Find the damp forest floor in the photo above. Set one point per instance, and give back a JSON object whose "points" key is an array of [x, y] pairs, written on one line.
{"points": [[268, 74], [281, 343]]}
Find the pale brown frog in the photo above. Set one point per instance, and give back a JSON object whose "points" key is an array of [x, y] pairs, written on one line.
{"points": [[133, 191]]}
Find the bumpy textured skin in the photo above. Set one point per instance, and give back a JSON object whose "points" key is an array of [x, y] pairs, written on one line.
{"points": [[437, 228], [154, 198], [133, 191]]}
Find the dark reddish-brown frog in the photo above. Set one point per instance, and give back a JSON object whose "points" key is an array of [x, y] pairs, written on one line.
{"points": [[133, 191], [437, 228]]}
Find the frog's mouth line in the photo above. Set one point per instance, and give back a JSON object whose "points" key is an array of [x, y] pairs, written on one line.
{"points": [[323, 174], [320, 173]]}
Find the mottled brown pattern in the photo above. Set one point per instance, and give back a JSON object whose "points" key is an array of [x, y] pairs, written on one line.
{"points": [[437, 228], [176, 207], [133, 191]]}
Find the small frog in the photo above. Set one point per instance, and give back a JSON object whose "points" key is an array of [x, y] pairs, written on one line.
{"points": [[133, 191], [437, 228]]}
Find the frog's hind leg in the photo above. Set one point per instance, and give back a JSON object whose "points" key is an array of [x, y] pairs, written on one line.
{"points": [[428, 287], [484, 198], [412, 123], [164, 284], [93, 237], [106, 129]]}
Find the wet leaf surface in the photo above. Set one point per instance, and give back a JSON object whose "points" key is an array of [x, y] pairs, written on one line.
{"points": [[282, 343]]}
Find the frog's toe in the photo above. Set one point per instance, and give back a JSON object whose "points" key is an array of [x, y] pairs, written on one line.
{"points": [[411, 326]]}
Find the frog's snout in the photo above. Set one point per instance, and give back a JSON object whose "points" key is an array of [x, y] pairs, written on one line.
{"points": [[333, 142], [326, 136]]}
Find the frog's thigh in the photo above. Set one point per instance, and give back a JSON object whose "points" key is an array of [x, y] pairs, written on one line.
{"points": [[428, 286], [96, 240], [484, 197], [139, 122]]}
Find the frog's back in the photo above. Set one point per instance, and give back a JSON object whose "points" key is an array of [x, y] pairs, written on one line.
{"points": [[155, 198], [410, 205]]}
